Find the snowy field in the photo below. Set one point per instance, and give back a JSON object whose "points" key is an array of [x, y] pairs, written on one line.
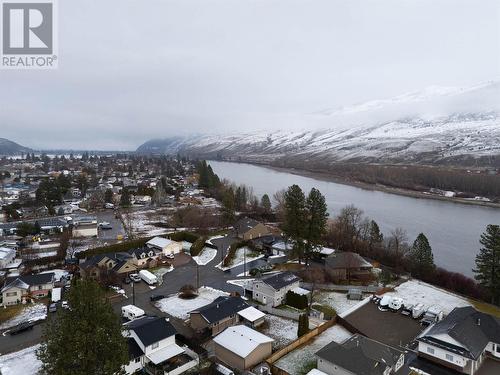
{"points": [[283, 331], [186, 245], [180, 308], [32, 313], [335, 300], [23, 362], [415, 291], [142, 223], [297, 361], [206, 256]]}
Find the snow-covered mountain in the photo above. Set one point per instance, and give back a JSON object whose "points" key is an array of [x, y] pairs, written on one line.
{"points": [[12, 148], [436, 125]]}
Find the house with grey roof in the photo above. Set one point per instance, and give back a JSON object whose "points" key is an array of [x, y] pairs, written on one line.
{"points": [[462, 341], [218, 315], [249, 229], [18, 289], [348, 265], [361, 356], [272, 289], [153, 348]]}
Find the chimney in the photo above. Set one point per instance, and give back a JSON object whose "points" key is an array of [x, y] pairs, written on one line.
{"points": [[478, 321]]}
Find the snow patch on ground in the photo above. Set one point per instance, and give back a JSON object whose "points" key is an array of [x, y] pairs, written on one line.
{"points": [[335, 300], [206, 256], [160, 272], [239, 258], [180, 308], [31, 313], [295, 362], [23, 362], [283, 331], [415, 291]]}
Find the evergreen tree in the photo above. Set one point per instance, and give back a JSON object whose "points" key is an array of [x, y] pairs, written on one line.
{"points": [[303, 327], [85, 339], [317, 216], [108, 196], [265, 202], [295, 218], [228, 214], [375, 237], [422, 260], [125, 198], [487, 271]]}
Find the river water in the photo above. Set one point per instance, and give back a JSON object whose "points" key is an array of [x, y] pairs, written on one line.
{"points": [[453, 229]]}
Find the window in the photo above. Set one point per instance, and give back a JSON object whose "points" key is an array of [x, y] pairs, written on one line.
{"points": [[430, 350], [137, 360], [155, 345], [40, 287], [11, 294], [498, 348], [449, 357]]}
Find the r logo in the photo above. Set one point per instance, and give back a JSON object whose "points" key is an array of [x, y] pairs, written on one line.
{"points": [[27, 28]]}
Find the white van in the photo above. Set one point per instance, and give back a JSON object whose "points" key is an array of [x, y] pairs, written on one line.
{"points": [[383, 305], [148, 277], [132, 312], [396, 304]]}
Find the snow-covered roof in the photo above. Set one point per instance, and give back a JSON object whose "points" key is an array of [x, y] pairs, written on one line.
{"points": [[241, 340], [327, 251], [315, 371], [162, 355], [159, 242], [301, 291], [251, 314]]}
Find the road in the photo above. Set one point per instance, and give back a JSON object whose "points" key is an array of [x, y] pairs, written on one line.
{"points": [[185, 272]]}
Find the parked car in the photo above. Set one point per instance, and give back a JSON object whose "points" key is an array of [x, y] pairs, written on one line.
{"points": [[25, 326], [170, 256], [384, 303], [52, 307], [105, 225], [156, 297], [109, 206], [376, 299], [135, 278], [418, 311], [407, 309], [396, 304], [127, 280], [65, 305]]}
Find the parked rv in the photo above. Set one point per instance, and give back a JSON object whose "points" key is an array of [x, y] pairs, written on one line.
{"points": [[148, 277], [396, 304], [407, 309], [384, 303], [432, 315], [56, 294], [132, 312]]}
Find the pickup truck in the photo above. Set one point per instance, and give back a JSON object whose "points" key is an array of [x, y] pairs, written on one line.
{"points": [[25, 326]]}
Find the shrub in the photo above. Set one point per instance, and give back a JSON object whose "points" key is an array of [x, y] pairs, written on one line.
{"points": [[187, 292], [296, 300], [303, 327], [232, 252], [183, 236], [198, 246]]}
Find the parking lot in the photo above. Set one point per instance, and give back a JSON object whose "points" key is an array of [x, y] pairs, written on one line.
{"points": [[388, 327]]}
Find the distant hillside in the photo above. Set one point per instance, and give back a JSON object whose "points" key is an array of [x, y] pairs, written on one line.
{"points": [[10, 148], [434, 126]]}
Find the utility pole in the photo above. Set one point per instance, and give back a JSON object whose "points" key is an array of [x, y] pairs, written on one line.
{"points": [[133, 292], [197, 277], [244, 261]]}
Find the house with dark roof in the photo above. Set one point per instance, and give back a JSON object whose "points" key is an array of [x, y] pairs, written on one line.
{"points": [[361, 356], [118, 263], [347, 265], [18, 289], [462, 340], [152, 347], [249, 229], [144, 257], [272, 289], [218, 315]]}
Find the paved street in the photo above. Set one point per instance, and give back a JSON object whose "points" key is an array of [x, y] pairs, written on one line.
{"points": [[184, 273]]}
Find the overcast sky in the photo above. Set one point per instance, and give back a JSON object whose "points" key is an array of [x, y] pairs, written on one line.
{"points": [[130, 71]]}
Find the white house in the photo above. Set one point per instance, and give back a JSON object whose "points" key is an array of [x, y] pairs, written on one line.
{"points": [[143, 256], [7, 256], [152, 347], [165, 245], [272, 289], [85, 227], [462, 340], [19, 288]]}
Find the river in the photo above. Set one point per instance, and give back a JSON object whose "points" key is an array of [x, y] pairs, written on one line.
{"points": [[453, 229]]}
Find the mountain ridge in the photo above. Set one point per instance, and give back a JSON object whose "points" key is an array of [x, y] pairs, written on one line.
{"points": [[11, 148]]}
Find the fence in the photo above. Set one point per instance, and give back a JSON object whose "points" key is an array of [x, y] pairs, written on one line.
{"points": [[280, 312], [294, 345], [342, 288]]}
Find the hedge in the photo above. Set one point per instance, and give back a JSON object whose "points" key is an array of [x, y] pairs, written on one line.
{"points": [[298, 301], [232, 252], [198, 246], [115, 248], [183, 236]]}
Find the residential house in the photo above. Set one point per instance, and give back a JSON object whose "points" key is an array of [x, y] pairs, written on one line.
{"points": [[218, 315], [18, 289], [241, 347], [272, 289], [144, 257], [361, 356], [164, 245], [85, 227], [152, 348], [7, 256], [248, 229], [347, 265], [462, 340], [118, 263]]}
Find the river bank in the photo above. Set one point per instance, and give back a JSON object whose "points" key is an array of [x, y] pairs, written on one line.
{"points": [[328, 177]]}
